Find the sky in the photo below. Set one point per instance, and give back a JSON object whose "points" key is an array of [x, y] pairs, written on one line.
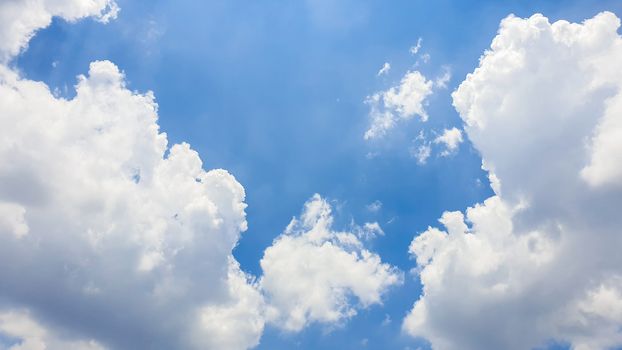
{"points": [[397, 175]]}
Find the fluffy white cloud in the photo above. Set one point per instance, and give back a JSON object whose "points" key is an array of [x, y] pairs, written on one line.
{"points": [[451, 139], [400, 102], [312, 273], [540, 260], [403, 101], [20, 19], [105, 230], [102, 221]]}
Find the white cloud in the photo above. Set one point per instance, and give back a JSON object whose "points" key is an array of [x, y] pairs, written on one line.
{"points": [[312, 273], [404, 101], [539, 259], [451, 139], [105, 230], [237, 323], [422, 153], [20, 19], [442, 80], [93, 197], [398, 103], [374, 206], [422, 150], [370, 230], [28, 334], [386, 67], [415, 49], [425, 58], [110, 235]]}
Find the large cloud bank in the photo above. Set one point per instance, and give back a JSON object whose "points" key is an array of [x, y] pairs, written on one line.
{"points": [[539, 261], [108, 237]]}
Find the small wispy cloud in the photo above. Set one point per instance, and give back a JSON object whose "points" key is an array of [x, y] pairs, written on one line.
{"points": [[374, 206], [415, 49], [386, 67]]}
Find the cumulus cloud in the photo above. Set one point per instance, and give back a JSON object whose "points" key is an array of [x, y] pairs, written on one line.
{"points": [[312, 273], [450, 139], [400, 102], [21, 19], [538, 261], [106, 231], [106, 220], [403, 101]]}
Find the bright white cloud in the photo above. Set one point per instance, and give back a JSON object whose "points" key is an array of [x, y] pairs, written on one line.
{"points": [[105, 230], [313, 274], [400, 102], [94, 210], [450, 139], [541, 258], [236, 323], [20, 19]]}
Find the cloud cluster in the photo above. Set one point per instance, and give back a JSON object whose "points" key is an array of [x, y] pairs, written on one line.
{"points": [[405, 100], [445, 144], [111, 238], [539, 261], [312, 273]]}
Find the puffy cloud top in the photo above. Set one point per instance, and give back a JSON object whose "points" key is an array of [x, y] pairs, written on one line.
{"points": [[451, 139], [101, 223], [538, 261], [311, 273], [399, 102]]}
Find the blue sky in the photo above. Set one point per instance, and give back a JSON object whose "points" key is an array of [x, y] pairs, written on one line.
{"points": [[274, 92]]}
